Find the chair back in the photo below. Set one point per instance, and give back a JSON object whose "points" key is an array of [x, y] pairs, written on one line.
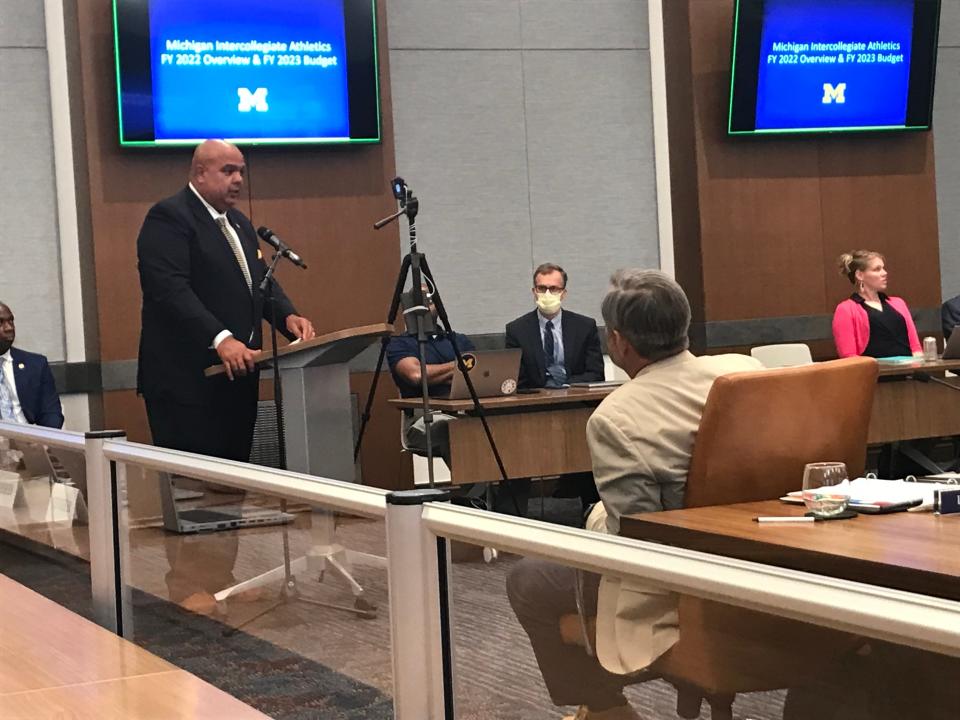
{"points": [[421, 466], [760, 428], [612, 372], [782, 355]]}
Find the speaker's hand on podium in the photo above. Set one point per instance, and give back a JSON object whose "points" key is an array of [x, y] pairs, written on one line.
{"points": [[237, 358], [301, 327]]}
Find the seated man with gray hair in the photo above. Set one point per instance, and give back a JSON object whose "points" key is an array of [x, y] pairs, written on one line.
{"points": [[641, 441]]}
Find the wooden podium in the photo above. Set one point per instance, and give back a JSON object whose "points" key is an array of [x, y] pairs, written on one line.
{"points": [[317, 407]]}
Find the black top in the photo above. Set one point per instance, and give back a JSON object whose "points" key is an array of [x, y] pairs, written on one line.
{"points": [[888, 330]]}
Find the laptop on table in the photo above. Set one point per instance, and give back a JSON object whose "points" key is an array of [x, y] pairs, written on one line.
{"points": [[494, 373], [951, 350]]}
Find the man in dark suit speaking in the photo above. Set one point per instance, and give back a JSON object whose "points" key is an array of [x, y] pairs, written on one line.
{"points": [[559, 346], [27, 392], [200, 272]]}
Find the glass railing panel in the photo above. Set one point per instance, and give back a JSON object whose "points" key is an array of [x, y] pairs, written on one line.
{"points": [[44, 536], [211, 593], [525, 639]]}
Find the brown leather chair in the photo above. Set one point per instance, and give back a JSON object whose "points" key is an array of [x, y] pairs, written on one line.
{"points": [[757, 432], [760, 428]]}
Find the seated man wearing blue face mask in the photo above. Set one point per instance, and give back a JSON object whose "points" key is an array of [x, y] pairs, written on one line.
{"points": [[559, 346]]}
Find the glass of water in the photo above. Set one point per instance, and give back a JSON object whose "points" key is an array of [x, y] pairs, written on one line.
{"points": [[826, 488]]}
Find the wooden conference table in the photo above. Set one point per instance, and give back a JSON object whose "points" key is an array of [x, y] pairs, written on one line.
{"points": [[915, 552], [544, 434], [56, 664]]}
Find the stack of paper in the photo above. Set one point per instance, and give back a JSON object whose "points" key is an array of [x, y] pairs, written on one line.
{"points": [[871, 492]]}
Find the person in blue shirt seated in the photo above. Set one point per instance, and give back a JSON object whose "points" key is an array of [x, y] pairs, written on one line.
{"points": [[28, 394], [404, 361]]}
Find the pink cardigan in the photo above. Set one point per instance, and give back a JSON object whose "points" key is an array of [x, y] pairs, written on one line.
{"points": [[851, 327]]}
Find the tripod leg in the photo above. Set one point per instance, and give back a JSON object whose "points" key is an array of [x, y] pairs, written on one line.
{"points": [[365, 416], [478, 408], [391, 318]]}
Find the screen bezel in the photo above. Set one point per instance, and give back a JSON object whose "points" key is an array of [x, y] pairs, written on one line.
{"points": [[131, 37], [745, 65]]}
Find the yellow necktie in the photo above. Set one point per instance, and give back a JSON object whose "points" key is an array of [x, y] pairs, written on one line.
{"points": [[237, 251]]}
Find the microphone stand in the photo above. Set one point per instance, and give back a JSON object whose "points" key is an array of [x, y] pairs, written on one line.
{"points": [[289, 590]]}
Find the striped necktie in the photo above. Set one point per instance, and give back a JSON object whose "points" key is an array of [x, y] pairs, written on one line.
{"points": [[549, 344], [237, 251], [6, 397]]}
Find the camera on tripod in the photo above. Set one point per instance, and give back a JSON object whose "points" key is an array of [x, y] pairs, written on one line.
{"points": [[400, 189]]}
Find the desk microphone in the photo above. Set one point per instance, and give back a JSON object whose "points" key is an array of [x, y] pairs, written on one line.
{"points": [[927, 378], [274, 241]]}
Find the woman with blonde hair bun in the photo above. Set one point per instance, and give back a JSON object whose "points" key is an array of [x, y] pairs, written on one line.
{"points": [[870, 322]]}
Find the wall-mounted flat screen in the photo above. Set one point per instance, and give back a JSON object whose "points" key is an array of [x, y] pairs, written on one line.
{"points": [[830, 66], [248, 71]]}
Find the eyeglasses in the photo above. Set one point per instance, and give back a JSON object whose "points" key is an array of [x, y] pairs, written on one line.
{"points": [[552, 289]]}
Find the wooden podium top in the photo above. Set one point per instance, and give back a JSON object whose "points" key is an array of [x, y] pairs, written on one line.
{"points": [[264, 357]]}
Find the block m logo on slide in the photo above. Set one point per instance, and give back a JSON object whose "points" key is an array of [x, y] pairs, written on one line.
{"points": [[833, 94], [256, 100]]}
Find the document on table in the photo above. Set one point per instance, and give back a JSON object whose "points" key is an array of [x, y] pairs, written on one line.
{"points": [[882, 493]]}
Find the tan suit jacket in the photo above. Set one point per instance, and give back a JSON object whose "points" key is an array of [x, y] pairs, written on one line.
{"points": [[641, 440]]}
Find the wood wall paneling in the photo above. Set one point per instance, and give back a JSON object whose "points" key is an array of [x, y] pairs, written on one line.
{"points": [[773, 214], [881, 194], [383, 462], [322, 201], [688, 266]]}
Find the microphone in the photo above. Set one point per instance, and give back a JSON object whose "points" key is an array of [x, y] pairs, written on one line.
{"points": [[274, 241]]}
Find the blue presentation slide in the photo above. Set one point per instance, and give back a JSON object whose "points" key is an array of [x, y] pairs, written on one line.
{"points": [[249, 69], [836, 64]]}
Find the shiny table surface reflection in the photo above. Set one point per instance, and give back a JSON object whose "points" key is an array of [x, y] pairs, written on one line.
{"points": [[916, 552], [54, 663]]}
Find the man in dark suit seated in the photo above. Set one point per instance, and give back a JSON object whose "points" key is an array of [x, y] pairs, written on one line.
{"points": [[200, 273], [27, 391], [559, 346]]}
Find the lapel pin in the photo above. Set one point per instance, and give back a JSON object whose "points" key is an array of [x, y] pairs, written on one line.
{"points": [[20, 366]]}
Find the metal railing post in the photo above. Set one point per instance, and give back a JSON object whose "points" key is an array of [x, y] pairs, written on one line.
{"points": [[418, 567], [106, 509]]}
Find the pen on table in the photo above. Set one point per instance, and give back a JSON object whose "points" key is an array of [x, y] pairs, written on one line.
{"points": [[785, 519]]}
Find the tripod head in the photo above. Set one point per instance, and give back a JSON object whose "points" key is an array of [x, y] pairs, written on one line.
{"points": [[409, 204]]}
